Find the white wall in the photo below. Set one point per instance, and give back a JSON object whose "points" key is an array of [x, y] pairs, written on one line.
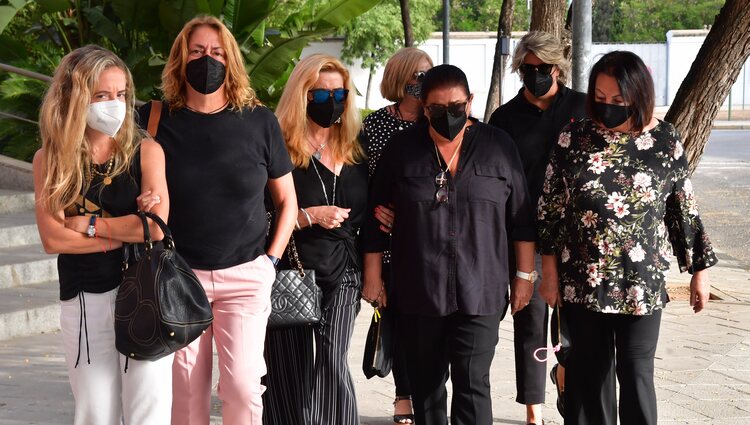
{"points": [[474, 52]]}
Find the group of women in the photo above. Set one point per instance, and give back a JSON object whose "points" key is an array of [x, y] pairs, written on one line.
{"points": [[422, 209]]}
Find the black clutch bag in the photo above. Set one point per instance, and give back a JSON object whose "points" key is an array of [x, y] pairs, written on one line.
{"points": [[295, 297], [378, 358], [161, 306]]}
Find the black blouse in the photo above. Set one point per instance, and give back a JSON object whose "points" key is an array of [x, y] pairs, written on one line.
{"points": [[453, 256], [330, 252], [100, 272]]}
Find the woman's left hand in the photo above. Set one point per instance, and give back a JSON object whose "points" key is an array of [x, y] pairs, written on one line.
{"points": [[146, 201], [385, 216], [521, 291], [699, 290], [78, 223]]}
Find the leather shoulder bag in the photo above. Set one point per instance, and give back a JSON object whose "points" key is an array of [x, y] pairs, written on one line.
{"points": [[161, 305]]}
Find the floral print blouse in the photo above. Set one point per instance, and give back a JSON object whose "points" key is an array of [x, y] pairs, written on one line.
{"points": [[611, 206]]}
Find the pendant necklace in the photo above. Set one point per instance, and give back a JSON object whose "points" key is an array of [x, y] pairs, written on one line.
{"points": [[442, 176], [325, 193], [106, 174], [318, 153]]}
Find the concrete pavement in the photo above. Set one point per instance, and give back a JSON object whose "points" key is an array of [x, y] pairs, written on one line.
{"points": [[702, 368]]}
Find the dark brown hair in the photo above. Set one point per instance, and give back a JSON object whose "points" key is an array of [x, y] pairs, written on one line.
{"points": [[635, 83]]}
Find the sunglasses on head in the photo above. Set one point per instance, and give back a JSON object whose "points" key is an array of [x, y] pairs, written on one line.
{"points": [[455, 109], [542, 68], [322, 95], [419, 76]]}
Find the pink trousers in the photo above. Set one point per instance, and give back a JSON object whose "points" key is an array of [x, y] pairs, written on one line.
{"points": [[241, 300]]}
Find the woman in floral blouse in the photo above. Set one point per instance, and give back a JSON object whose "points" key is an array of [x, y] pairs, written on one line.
{"points": [[616, 196]]}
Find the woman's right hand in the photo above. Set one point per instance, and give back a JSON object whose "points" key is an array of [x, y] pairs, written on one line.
{"points": [[373, 291], [328, 217], [146, 201], [549, 289]]}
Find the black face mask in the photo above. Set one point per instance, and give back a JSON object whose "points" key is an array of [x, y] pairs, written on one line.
{"points": [[205, 75], [447, 125], [537, 83], [325, 114], [414, 90], [612, 115]]}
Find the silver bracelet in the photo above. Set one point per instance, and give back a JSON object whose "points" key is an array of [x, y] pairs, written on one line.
{"points": [[307, 216]]}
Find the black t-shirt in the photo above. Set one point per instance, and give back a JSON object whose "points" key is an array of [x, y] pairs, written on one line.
{"points": [[329, 252], [217, 168], [535, 131], [100, 272]]}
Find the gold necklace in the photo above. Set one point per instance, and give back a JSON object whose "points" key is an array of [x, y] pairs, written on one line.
{"points": [[106, 174], [211, 112]]}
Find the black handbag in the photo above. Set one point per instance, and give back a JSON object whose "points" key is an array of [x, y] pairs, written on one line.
{"points": [[378, 357], [161, 305], [295, 297]]}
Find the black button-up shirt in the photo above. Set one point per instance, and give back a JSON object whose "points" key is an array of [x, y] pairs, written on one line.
{"points": [[535, 131], [450, 257]]}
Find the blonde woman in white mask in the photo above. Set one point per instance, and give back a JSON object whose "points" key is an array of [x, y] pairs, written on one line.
{"points": [[93, 164]]}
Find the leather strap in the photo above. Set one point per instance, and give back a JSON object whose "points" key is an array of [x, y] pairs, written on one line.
{"points": [[154, 117]]}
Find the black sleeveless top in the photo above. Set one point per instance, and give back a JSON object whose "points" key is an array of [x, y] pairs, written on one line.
{"points": [[100, 272]]}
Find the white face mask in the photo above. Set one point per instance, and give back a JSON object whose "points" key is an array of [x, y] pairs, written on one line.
{"points": [[107, 116]]}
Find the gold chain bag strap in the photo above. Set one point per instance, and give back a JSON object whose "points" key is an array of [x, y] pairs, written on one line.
{"points": [[295, 297]]}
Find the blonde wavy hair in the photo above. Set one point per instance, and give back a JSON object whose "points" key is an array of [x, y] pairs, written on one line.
{"points": [[292, 112], [62, 124], [399, 69], [236, 84], [544, 46]]}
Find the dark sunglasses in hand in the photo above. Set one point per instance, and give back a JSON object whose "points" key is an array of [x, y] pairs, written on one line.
{"points": [[322, 95], [542, 68], [441, 181], [455, 109]]}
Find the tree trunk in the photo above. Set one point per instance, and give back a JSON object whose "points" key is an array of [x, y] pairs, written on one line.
{"points": [[369, 85], [495, 95], [406, 19], [711, 77], [548, 16]]}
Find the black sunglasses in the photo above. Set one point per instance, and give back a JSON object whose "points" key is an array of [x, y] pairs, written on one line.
{"points": [[455, 109], [322, 95], [419, 76], [542, 68], [441, 181]]}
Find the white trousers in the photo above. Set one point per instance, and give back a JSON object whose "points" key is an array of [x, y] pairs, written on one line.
{"points": [[104, 394]]}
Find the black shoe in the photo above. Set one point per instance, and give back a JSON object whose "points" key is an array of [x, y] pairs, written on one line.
{"points": [[560, 393], [399, 418]]}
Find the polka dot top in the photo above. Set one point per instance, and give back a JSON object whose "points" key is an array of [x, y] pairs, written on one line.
{"points": [[377, 129]]}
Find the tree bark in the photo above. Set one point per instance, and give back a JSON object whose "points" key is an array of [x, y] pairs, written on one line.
{"points": [[495, 95], [406, 19], [711, 77], [548, 16], [369, 86]]}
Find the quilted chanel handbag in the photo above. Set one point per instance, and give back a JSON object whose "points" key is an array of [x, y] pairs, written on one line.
{"points": [[161, 305], [295, 297]]}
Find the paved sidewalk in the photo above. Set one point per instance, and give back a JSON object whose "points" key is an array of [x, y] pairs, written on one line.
{"points": [[702, 376]]}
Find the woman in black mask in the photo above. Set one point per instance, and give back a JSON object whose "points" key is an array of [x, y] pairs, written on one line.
{"points": [[223, 149], [459, 194], [616, 196], [320, 123]]}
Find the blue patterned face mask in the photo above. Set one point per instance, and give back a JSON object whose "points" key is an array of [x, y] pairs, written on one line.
{"points": [[414, 90]]}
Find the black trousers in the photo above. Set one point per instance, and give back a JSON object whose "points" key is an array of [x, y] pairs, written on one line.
{"points": [[530, 333], [464, 343], [401, 343], [602, 345]]}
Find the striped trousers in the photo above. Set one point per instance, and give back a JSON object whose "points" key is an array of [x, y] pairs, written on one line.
{"points": [[306, 388]]}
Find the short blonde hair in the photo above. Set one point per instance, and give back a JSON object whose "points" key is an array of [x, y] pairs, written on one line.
{"points": [[292, 112], [544, 46], [237, 83], [399, 70]]}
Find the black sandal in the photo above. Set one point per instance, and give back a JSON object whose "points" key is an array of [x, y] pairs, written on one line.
{"points": [[560, 393], [398, 418]]}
